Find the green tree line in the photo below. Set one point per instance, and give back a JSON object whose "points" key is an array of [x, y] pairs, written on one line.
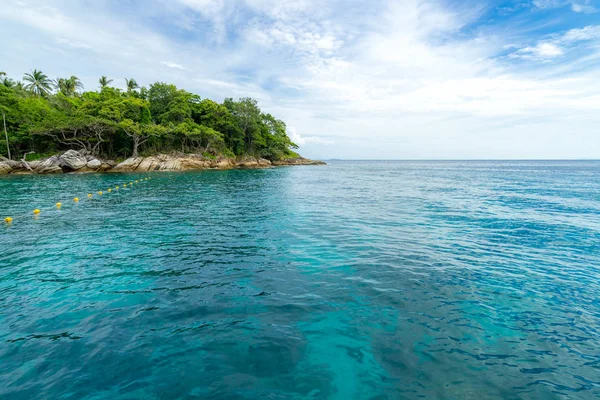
{"points": [[45, 116]]}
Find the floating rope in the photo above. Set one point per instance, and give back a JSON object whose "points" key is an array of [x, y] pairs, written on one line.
{"points": [[38, 211]]}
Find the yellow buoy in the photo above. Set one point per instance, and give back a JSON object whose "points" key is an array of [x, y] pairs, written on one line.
{"points": [[109, 190], [124, 186], [116, 188], [76, 199], [58, 205], [136, 181], [89, 195], [100, 193], [36, 211], [130, 183], [8, 220]]}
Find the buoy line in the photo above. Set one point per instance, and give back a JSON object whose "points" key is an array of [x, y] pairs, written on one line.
{"points": [[58, 206]]}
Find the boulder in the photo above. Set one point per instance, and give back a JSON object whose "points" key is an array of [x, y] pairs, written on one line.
{"points": [[105, 167], [94, 164], [194, 163], [263, 162], [149, 164], [50, 165], [4, 168], [251, 162], [171, 164], [73, 160], [34, 164], [225, 163], [131, 164]]}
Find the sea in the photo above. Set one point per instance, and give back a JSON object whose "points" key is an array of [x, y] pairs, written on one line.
{"points": [[354, 280]]}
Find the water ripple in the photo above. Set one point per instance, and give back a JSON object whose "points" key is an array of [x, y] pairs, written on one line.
{"points": [[357, 280]]}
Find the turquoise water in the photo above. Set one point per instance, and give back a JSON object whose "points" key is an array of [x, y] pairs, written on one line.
{"points": [[358, 280]]}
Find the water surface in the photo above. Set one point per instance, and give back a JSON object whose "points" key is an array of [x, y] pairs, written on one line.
{"points": [[358, 280]]}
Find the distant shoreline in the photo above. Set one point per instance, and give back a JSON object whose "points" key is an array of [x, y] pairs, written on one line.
{"points": [[465, 160], [75, 162]]}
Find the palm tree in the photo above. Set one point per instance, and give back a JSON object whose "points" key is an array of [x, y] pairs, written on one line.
{"points": [[131, 85], [38, 83], [104, 82], [9, 83], [68, 86]]}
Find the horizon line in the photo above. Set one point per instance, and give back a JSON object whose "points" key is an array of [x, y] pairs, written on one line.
{"points": [[460, 159]]}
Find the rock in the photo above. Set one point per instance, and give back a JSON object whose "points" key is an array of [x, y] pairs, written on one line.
{"points": [[251, 162], [49, 166], [34, 164], [194, 163], [226, 163], [298, 161], [131, 164], [73, 160], [94, 164], [5, 168], [149, 164], [105, 167], [264, 162]]}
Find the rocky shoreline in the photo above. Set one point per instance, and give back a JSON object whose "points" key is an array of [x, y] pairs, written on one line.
{"points": [[76, 162]]}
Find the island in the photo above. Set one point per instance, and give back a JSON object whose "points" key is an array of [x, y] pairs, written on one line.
{"points": [[54, 126]]}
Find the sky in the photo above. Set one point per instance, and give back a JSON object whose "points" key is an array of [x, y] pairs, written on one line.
{"points": [[353, 79]]}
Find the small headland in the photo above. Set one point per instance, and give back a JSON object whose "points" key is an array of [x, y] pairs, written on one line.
{"points": [[73, 161]]}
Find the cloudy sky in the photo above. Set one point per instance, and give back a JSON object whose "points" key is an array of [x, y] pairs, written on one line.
{"points": [[358, 79]]}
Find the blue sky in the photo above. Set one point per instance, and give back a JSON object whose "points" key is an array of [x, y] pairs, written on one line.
{"points": [[412, 79]]}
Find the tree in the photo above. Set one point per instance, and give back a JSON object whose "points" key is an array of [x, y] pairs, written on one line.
{"points": [[104, 82], [39, 83], [200, 137], [9, 83], [139, 133], [111, 122], [216, 116], [68, 86], [247, 113], [131, 85], [160, 95]]}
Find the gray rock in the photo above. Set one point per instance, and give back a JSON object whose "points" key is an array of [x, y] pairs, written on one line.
{"points": [[94, 163], [130, 164], [73, 160], [49, 166]]}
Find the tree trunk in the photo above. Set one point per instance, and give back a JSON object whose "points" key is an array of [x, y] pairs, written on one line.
{"points": [[6, 134], [136, 144]]}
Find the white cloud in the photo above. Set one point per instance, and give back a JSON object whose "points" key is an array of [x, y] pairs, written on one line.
{"points": [[172, 65], [577, 35], [73, 43], [303, 140], [581, 8], [542, 50], [554, 46], [391, 79]]}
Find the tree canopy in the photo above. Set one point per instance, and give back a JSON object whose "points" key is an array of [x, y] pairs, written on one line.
{"points": [[45, 116]]}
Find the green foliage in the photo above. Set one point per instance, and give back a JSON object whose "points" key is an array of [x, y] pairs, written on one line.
{"points": [[38, 83], [117, 124], [68, 86], [104, 82]]}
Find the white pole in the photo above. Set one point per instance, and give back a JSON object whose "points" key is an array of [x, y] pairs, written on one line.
{"points": [[6, 134]]}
